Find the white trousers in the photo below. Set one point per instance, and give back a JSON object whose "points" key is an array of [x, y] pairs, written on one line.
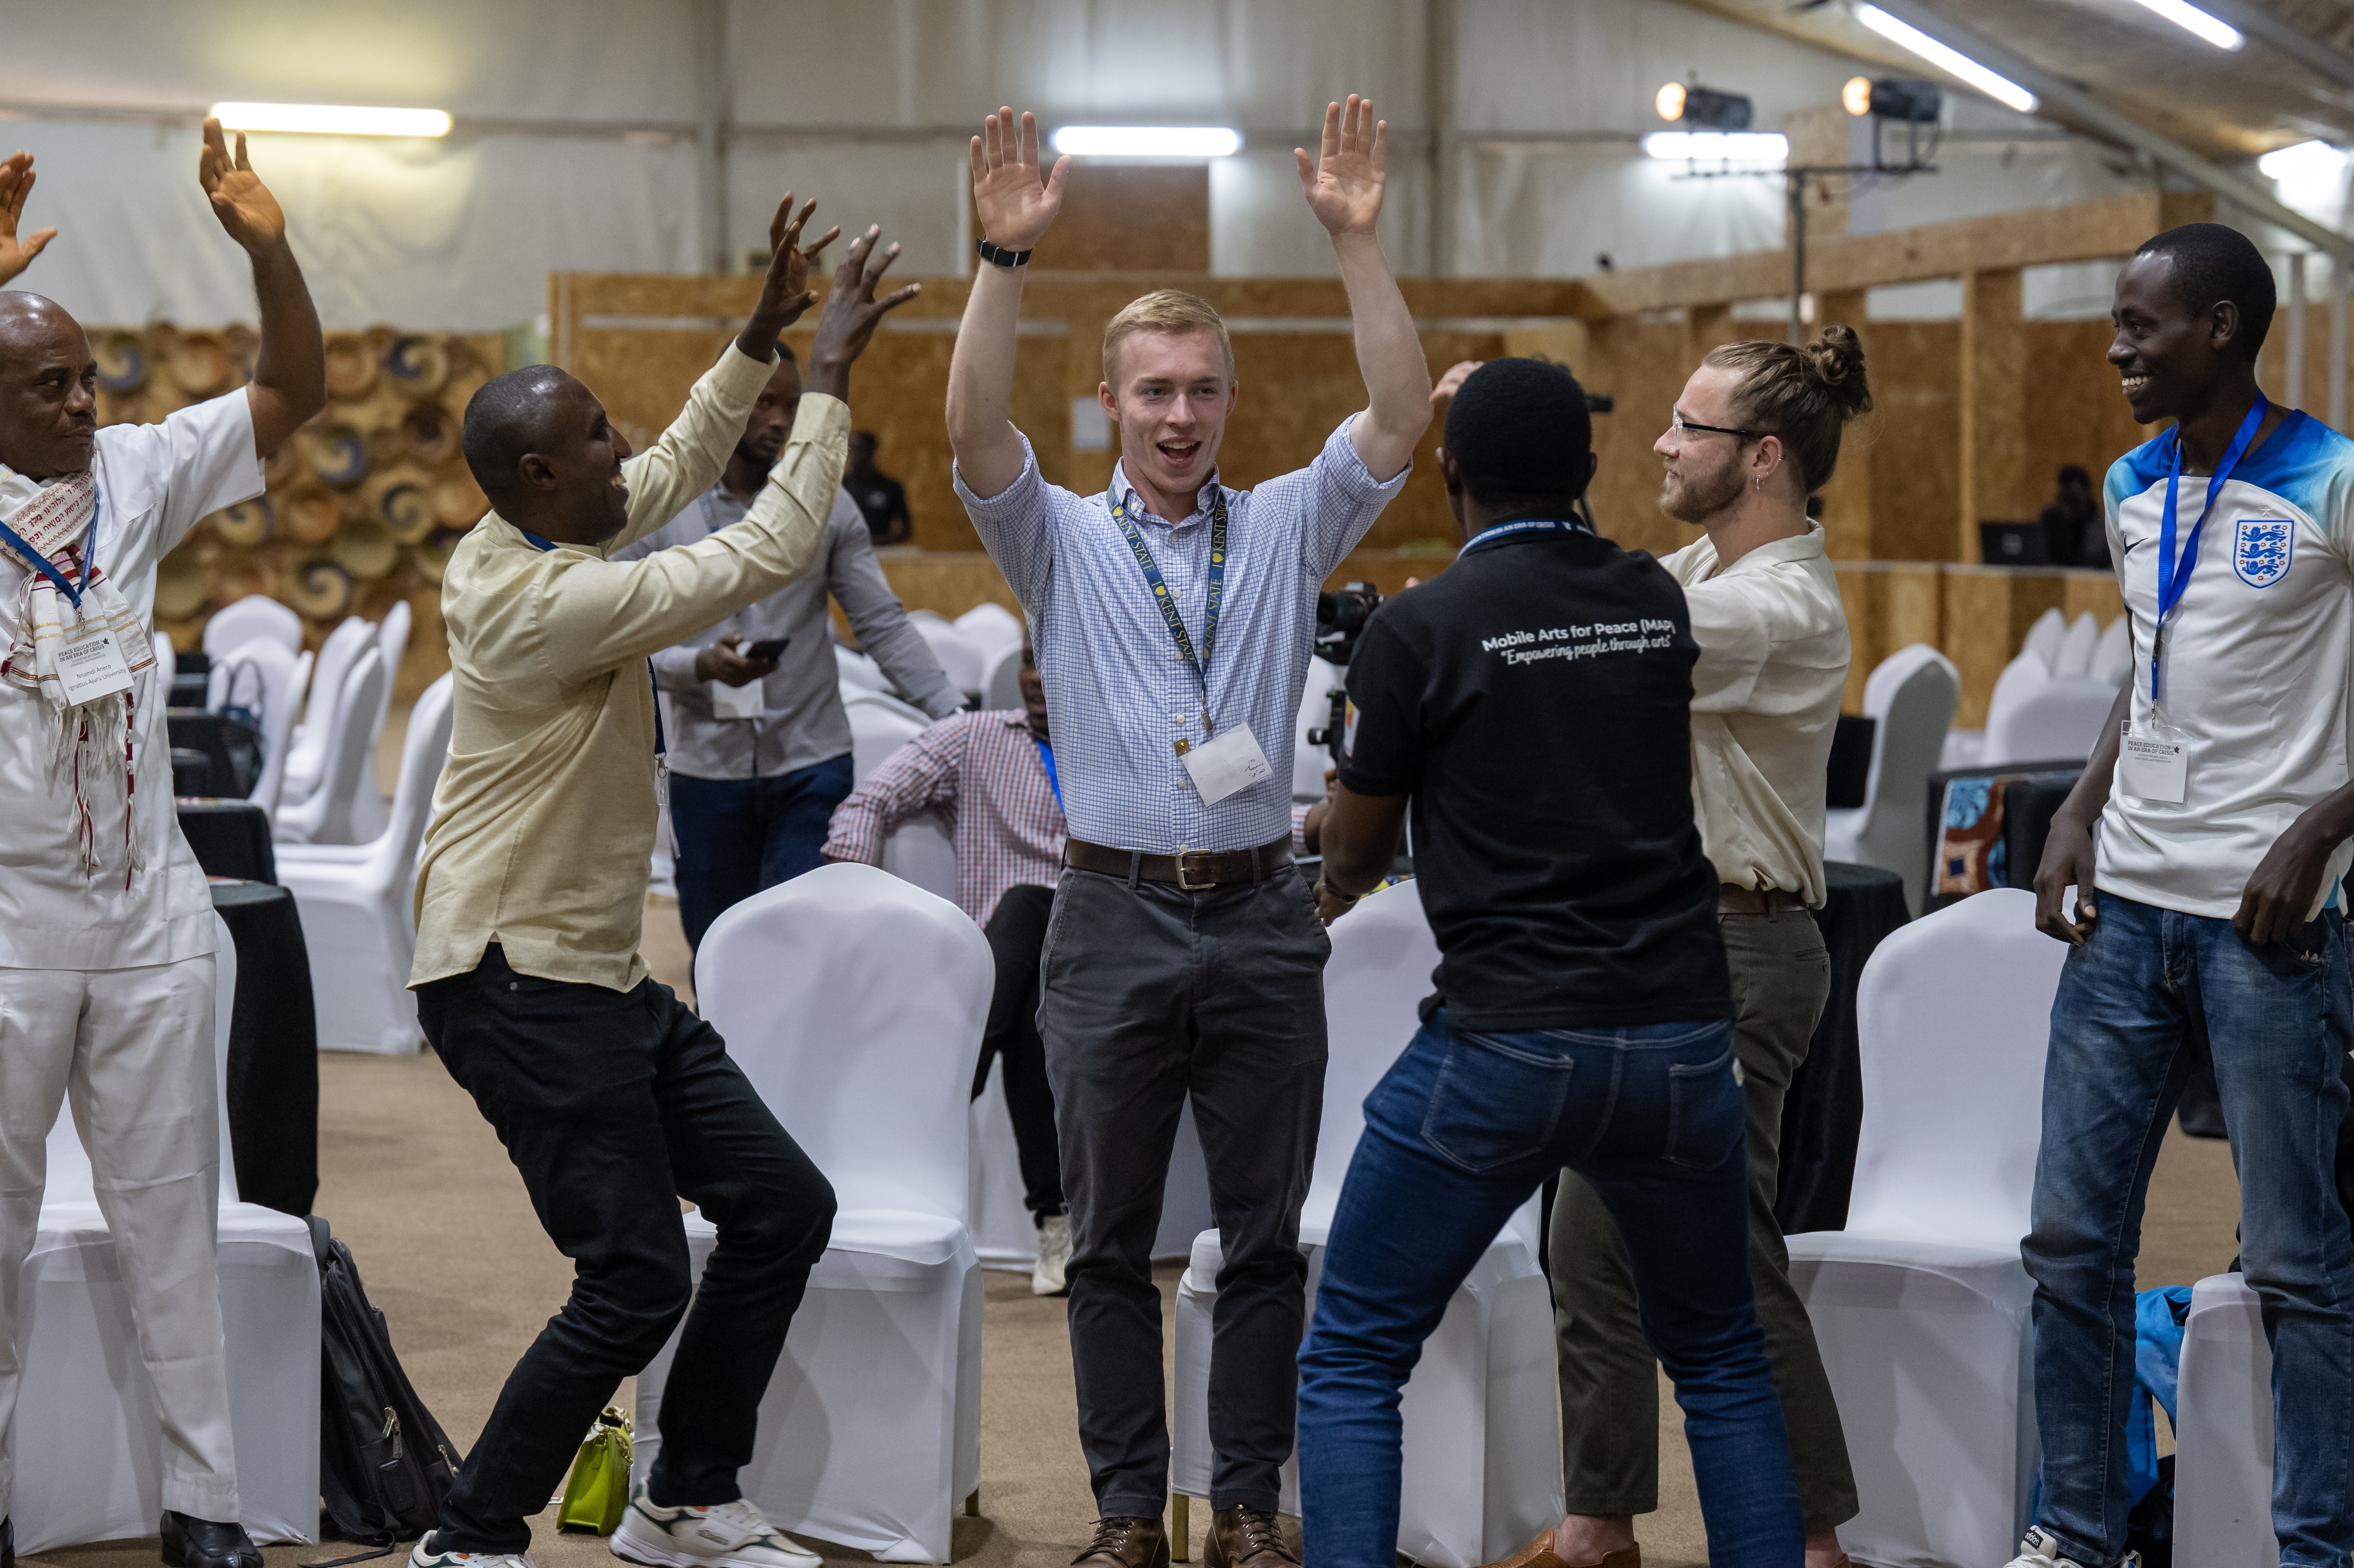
{"points": [[134, 1050]]}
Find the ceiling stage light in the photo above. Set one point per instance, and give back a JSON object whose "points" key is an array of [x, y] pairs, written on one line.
{"points": [[1669, 101], [1147, 141], [2002, 89], [1702, 109], [1856, 96], [2191, 20], [331, 119], [1718, 146]]}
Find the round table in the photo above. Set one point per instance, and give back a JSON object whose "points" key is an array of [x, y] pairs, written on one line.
{"points": [[231, 838], [273, 1049]]}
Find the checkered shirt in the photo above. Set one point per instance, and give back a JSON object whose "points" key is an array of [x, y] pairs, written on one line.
{"points": [[983, 772], [1119, 694]]}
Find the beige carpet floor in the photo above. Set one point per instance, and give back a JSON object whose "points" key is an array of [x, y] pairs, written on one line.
{"points": [[414, 1181]]}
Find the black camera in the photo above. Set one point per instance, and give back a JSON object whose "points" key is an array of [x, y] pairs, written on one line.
{"points": [[1341, 620]]}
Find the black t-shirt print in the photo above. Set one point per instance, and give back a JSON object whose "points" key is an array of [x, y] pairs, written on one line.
{"points": [[1535, 700]]}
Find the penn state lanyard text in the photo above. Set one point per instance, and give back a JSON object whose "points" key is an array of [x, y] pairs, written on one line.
{"points": [[41, 563], [1215, 590], [661, 746], [1503, 531], [2173, 576]]}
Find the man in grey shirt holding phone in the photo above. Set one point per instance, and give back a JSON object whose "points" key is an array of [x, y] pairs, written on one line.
{"points": [[759, 745]]}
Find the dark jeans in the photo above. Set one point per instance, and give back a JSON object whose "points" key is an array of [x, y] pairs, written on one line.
{"points": [[613, 1107], [2149, 993], [1153, 994], [738, 836], [1457, 1135], [1017, 935]]}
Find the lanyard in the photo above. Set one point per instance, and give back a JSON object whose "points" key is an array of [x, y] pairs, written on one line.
{"points": [[661, 746], [1524, 525], [1053, 780], [1168, 601], [2174, 576], [41, 563]]}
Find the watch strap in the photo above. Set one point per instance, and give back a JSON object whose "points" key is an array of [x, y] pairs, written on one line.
{"points": [[998, 255]]}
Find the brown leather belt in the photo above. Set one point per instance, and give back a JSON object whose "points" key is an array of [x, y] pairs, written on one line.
{"points": [[1731, 899], [1191, 870]]}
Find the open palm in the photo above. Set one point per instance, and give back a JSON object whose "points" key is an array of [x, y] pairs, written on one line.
{"points": [[1343, 185], [15, 185], [1017, 207], [241, 202]]}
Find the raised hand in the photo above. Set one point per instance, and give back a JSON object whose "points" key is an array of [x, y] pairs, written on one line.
{"points": [[241, 202], [1016, 207], [784, 293], [1343, 185], [846, 324], [15, 185], [1452, 381]]}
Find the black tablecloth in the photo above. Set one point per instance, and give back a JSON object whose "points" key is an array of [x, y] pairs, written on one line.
{"points": [[235, 750], [231, 838], [1824, 1110], [192, 772], [273, 1050]]}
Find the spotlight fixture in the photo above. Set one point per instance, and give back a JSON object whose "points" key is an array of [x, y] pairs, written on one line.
{"points": [[1718, 146], [1892, 97], [2191, 20], [2305, 163], [331, 119], [1856, 96], [1952, 61], [1699, 109], [1147, 141]]}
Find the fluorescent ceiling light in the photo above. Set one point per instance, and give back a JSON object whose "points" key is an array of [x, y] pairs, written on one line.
{"points": [[2305, 163], [1147, 141], [1718, 146], [331, 119], [2002, 89], [2191, 20]]}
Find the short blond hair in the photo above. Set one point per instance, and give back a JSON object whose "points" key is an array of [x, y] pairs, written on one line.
{"points": [[1171, 311]]}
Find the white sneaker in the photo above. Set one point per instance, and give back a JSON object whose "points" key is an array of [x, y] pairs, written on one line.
{"points": [[2039, 1550], [1053, 1256], [726, 1535], [425, 1555]]}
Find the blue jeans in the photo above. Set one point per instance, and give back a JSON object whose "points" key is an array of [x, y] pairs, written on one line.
{"points": [[2150, 993], [1457, 1135], [738, 836]]}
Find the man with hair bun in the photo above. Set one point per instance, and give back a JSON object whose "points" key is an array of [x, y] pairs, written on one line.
{"points": [[2202, 854], [1583, 1012]]}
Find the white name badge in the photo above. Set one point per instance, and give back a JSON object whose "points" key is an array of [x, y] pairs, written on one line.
{"points": [[91, 664], [744, 701], [1226, 762], [2153, 765]]}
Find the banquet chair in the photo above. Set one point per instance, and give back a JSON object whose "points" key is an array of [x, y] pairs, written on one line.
{"points": [[879, 726], [2045, 636], [267, 681], [1000, 679], [2075, 654], [392, 641], [857, 671], [2060, 719], [960, 656], [357, 902], [2112, 655], [870, 1430], [1921, 1304], [307, 762], [991, 627], [1308, 762], [167, 658], [89, 1447], [325, 816], [2223, 1430], [1910, 697], [240, 621], [1482, 1470]]}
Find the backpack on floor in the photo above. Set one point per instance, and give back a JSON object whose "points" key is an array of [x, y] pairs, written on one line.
{"points": [[385, 1464]]}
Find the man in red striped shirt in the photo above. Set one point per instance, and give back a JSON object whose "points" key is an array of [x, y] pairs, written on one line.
{"points": [[991, 775]]}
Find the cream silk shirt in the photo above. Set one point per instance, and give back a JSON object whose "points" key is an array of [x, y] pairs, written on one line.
{"points": [[544, 822], [1766, 698]]}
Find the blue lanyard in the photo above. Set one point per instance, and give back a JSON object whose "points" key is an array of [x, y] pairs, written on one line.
{"points": [[42, 563], [661, 746], [1053, 780], [2174, 576], [1503, 530], [1168, 601]]}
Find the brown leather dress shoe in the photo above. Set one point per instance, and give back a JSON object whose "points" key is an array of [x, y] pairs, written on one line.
{"points": [[1538, 1553], [1126, 1542], [1247, 1538]]}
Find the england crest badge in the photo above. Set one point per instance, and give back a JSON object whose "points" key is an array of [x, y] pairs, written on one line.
{"points": [[2261, 549]]}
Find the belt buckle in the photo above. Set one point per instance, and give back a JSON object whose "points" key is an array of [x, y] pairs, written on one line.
{"points": [[1182, 851]]}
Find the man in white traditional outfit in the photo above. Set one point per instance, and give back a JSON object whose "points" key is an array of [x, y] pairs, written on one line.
{"points": [[106, 928]]}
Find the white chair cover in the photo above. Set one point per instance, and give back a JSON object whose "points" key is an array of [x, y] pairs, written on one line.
{"points": [[856, 670], [2060, 719], [2043, 638], [870, 1431], [2112, 655], [167, 658], [261, 677], [307, 763], [1308, 762], [1000, 679], [88, 1448], [991, 627], [1482, 1433], [1911, 696], [960, 656], [357, 902], [234, 624], [2020, 679], [2075, 654], [325, 816], [2223, 1430], [879, 726], [1921, 1304], [392, 641]]}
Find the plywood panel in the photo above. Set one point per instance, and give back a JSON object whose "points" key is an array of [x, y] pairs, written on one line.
{"points": [[2076, 414], [1988, 612], [1120, 216], [1994, 366], [1912, 440], [1640, 362], [1890, 605]]}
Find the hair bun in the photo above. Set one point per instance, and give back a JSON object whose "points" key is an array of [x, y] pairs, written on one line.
{"points": [[1835, 359]]}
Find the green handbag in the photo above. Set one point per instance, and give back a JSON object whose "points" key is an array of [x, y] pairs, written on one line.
{"points": [[598, 1489]]}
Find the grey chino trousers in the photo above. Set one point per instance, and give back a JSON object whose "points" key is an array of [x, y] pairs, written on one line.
{"points": [[1610, 1387], [1150, 995]]}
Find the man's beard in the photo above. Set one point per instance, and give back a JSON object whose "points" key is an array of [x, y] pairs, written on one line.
{"points": [[1700, 498], [751, 456]]}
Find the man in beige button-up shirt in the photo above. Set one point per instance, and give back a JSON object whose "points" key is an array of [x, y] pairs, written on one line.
{"points": [[613, 1097]]}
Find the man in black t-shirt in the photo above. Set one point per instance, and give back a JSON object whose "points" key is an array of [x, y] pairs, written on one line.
{"points": [[1534, 705]]}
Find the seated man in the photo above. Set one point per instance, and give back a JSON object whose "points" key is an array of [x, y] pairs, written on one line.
{"points": [[992, 774], [1584, 1009]]}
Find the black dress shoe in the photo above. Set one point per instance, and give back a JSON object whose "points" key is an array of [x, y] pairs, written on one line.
{"points": [[7, 1543], [191, 1542]]}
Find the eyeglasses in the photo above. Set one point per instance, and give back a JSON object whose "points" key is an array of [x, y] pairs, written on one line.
{"points": [[1676, 421]]}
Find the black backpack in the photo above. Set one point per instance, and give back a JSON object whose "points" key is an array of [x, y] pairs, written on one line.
{"points": [[385, 1464]]}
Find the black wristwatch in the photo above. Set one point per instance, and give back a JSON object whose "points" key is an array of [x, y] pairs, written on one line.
{"points": [[998, 255]]}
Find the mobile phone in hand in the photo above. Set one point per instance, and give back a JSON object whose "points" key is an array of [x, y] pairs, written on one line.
{"points": [[768, 648]]}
